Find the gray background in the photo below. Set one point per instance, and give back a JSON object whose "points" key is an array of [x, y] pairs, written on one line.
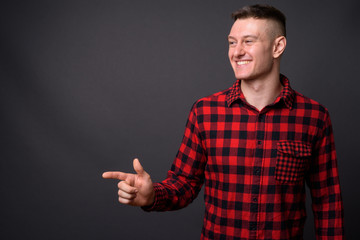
{"points": [[86, 86]]}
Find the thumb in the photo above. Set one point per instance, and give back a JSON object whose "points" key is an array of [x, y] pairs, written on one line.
{"points": [[138, 168]]}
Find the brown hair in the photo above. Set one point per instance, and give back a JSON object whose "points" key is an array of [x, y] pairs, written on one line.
{"points": [[259, 11]]}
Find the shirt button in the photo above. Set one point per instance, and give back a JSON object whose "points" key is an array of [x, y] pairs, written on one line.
{"points": [[257, 171], [254, 199], [261, 118], [252, 226]]}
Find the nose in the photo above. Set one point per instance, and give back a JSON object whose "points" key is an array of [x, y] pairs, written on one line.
{"points": [[239, 50]]}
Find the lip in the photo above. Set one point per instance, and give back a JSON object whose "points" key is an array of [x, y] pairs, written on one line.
{"points": [[242, 62]]}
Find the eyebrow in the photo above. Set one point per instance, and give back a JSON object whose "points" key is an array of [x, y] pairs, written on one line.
{"points": [[246, 36]]}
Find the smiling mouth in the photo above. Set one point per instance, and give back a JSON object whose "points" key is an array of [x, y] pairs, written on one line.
{"points": [[239, 63]]}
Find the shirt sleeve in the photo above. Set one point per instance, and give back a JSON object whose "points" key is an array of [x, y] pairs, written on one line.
{"points": [[186, 176], [323, 181]]}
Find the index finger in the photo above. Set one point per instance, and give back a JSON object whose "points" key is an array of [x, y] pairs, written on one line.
{"points": [[115, 175]]}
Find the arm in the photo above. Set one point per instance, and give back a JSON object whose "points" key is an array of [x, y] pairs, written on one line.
{"points": [[185, 179], [182, 184], [325, 188]]}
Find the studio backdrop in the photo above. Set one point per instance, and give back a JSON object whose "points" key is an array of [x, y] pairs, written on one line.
{"points": [[86, 86]]}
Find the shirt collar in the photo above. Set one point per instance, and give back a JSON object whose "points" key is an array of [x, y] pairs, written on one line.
{"points": [[287, 94]]}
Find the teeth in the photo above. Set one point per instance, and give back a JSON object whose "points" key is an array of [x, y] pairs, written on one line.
{"points": [[242, 62]]}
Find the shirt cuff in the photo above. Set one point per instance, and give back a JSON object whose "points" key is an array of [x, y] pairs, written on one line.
{"points": [[160, 199]]}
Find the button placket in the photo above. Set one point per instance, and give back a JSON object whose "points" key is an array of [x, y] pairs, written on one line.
{"points": [[257, 170]]}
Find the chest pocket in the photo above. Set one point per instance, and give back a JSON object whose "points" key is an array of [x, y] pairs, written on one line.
{"points": [[292, 161]]}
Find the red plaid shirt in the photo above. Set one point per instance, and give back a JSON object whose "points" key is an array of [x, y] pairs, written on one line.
{"points": [[255, 165]]}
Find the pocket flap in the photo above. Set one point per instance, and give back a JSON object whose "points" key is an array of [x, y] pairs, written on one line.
{"points": [[293, 148]]}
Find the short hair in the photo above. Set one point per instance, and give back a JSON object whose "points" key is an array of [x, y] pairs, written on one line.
{"points": [[260, 11]]}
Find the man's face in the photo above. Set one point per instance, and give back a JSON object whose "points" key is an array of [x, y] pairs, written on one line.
{"points": [[251, 48]]}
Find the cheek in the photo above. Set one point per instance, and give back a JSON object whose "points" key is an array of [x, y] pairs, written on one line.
{"points": [[230, 54]]}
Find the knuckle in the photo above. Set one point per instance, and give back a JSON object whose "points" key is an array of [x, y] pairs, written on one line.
{"points": [[125, 195], [124, 201], [121, 184]]}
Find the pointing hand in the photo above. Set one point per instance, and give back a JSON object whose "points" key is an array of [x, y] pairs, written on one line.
{"points": [[134, 189]]}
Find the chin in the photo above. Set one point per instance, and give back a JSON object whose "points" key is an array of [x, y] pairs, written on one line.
{"points": [[242, 77]]}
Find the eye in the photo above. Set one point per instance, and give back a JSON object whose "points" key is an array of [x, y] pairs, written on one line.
{"points": [[232, 43], [249, 41]]}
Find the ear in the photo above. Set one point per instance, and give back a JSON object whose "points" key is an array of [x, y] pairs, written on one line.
{"points": [[279, 46]]}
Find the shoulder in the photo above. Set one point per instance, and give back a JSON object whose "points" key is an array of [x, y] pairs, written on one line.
{"points": [[310, 107], [214, 100]]}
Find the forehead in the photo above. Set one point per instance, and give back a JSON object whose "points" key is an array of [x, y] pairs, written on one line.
{"points": [[249, 26]]}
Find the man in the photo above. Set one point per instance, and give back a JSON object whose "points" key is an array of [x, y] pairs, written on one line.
{"points": [[254, 145]]}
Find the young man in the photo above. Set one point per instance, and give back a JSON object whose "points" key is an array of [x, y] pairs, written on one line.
{"points": [[254, 145]]}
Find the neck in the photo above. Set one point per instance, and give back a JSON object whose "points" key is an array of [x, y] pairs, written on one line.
{"points": [[261, 92]]}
